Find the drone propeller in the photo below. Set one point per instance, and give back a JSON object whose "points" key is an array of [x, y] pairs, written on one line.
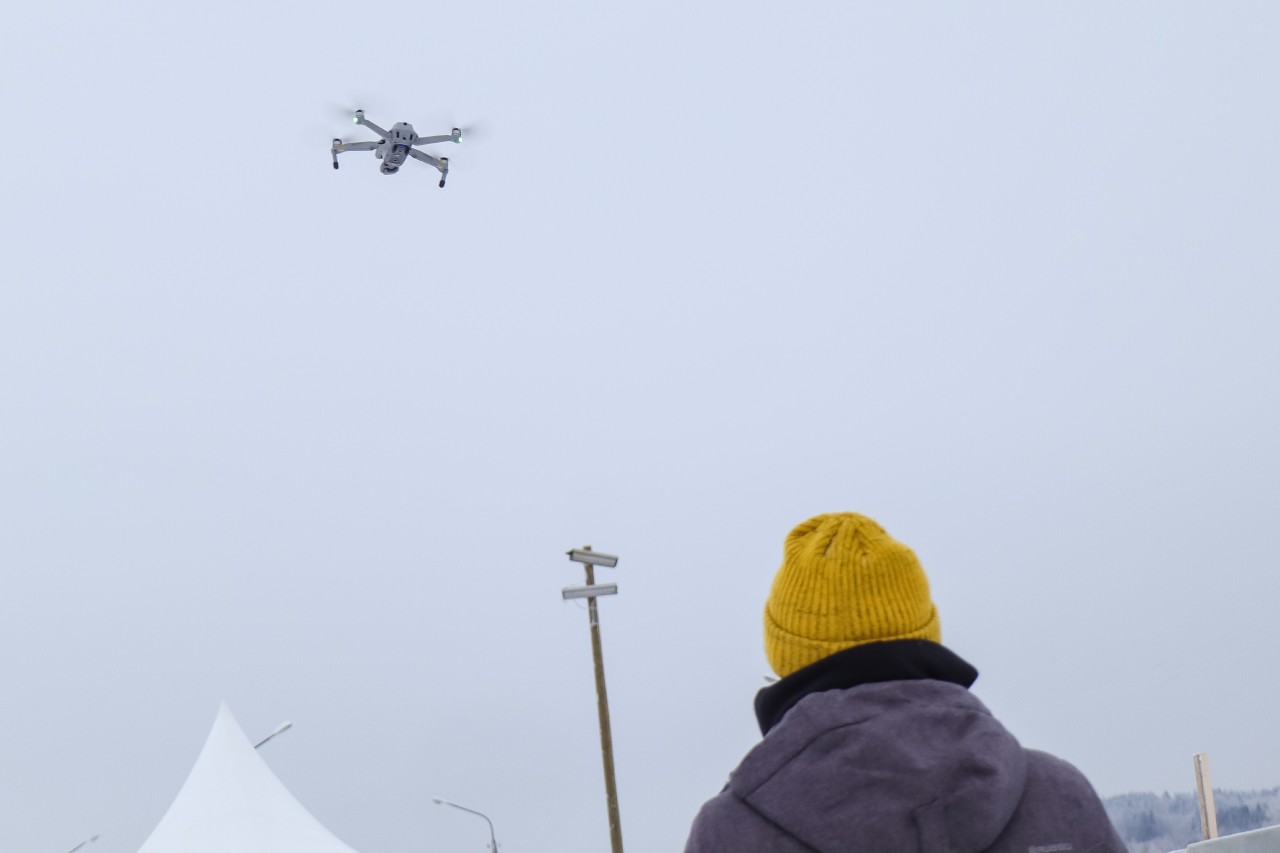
{"points": [[427, 121], [345, 110], [471, 131]]}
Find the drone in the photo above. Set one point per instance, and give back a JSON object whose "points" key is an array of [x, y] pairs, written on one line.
{"points": [[397, 144]]}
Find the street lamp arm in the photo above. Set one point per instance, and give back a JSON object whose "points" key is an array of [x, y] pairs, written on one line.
{"points": [[493, 839], [88, 840], [280, 729]]}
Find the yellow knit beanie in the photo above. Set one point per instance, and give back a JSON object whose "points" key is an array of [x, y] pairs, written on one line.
{"points": [[844, 582]]}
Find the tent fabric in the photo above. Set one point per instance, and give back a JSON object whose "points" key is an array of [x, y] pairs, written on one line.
{"points": [[233, 803]]}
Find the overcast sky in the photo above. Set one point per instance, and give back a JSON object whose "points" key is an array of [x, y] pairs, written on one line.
{"points": [[1002, 276]]}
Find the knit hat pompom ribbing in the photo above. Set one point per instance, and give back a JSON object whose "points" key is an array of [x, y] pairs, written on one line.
{"points": [[844, 582]]}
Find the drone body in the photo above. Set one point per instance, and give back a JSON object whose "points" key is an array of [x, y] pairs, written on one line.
{"points": [[396, 145]]}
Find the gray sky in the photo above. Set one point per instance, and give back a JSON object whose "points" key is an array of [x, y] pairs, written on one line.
{"points": [[314, 442]]}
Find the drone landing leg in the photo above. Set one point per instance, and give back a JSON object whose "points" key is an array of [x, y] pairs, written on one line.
{"points": [[340, 146], [441, 163]]}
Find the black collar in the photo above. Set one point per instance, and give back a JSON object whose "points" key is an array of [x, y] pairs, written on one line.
{"points": [[896, 660]]}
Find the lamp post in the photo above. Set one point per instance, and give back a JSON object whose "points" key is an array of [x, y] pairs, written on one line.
{"points": [[88, 840], [280, 729], [590, 559], [493, 839]]}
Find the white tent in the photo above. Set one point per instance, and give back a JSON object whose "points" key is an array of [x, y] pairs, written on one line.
{"points": [[233, 803]]}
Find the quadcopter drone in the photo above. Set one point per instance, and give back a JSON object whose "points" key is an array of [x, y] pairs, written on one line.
{"points": [[396, 145]]}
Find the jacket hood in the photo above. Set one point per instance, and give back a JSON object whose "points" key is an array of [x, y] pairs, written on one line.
{"points": [[915, 766]]}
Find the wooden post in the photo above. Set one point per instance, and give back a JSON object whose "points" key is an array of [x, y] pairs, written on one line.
{"points": [[602, 705], [1204, 792]]}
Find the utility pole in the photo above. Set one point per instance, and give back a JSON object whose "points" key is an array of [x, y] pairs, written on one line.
{"points": [[589, 560]]}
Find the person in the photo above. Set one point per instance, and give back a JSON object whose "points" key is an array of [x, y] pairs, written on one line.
{"points": [[872, 741]]}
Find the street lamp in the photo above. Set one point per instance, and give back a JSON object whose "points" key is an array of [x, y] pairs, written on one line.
{"points": [[589, 560], [280, 729], [493, 839], [88, 840]]}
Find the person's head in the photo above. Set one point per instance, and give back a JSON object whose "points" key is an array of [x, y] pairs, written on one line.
{"points": [[844, 582]]}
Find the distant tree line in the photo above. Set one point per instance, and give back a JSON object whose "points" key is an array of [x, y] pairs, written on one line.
{"points": [[1162, 823]]}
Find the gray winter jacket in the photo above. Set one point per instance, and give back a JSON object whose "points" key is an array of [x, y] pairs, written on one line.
{"points": [[899, 766]]}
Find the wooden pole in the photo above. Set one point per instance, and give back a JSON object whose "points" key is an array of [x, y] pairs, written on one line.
{"points": [[602, 704], [1204, 792]]}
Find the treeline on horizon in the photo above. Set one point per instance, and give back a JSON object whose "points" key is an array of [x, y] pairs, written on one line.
{"points": [[1162, 823]]}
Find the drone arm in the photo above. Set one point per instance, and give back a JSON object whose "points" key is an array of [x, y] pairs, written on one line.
{"points": [[441, 163], [431, 140], [373, 127], [340, 146], [429, 160]]}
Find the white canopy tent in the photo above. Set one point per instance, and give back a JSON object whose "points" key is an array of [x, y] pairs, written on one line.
{"points": [[233, 803]]}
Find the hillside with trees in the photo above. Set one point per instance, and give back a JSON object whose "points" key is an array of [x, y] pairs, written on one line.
{"points": [[1161, 823]]}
